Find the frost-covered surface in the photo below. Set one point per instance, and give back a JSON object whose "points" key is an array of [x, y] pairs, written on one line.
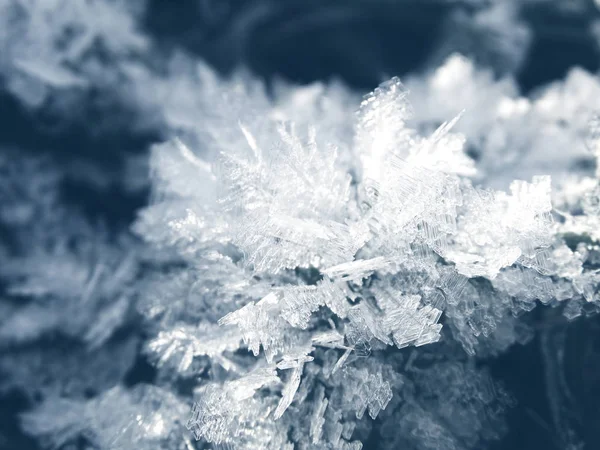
{"points": [[352, 254], [313, 269]]}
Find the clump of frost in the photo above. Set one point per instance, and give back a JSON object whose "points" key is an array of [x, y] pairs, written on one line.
{"points": [[304, 256], [292, 238], [73, 277]]}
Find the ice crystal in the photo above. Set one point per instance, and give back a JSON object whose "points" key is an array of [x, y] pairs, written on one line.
{"points": [[183, 343]]}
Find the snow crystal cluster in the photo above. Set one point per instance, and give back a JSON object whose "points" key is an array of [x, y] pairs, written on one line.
{"points": [[312, 270]]}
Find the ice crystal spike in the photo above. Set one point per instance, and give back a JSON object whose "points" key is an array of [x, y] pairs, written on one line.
{"points": [[409, 324], [356, 270], [318, 419], [259, 325], [296, 364], [298, 303], [382, 128]]}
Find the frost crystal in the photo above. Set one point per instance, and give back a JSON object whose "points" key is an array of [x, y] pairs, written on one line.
{"points": [[183, 343]]}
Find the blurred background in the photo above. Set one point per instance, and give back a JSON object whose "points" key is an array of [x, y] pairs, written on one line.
{"points": [[99, 136]]}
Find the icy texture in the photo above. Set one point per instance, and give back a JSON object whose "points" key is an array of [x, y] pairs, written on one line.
{"points": [[282, 267], [223, 410], [378, 247], [301, 255]]}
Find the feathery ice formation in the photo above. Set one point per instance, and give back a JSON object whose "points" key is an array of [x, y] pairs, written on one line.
{"points": [[302, 265]]}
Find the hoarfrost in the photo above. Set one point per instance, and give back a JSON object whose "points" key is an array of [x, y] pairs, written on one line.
{"points": [[380, 247], [293, 242]]}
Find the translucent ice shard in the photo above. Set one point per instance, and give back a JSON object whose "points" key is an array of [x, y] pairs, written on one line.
{"points": [[318, 419], [410, 323], [356, 270], [296, 363]]}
